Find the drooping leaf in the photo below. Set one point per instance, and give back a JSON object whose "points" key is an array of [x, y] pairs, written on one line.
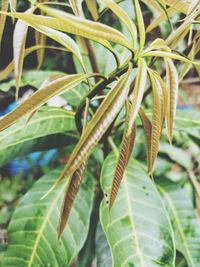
{"points": [[73, 186], [40, 40], [92, 6], [104, 258], [123, 16], [148, 132], [138, 229], [33, 227], [172, 84], [76, 6], [61, 38], [23, 138], [100, 122], [157, 119], [19, 41], [56, 87], [138, 91], [124, 156], [4, 73], [141, 27], [4, 8], [184, 221]]}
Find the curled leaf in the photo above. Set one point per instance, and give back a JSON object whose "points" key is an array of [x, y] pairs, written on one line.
{"points": [[124, 156], [41, 96], [71, 192], [172, 84]]}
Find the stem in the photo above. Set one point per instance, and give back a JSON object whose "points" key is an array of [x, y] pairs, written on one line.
{"points": [[97, 88]]}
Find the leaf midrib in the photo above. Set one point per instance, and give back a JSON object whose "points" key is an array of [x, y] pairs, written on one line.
{"points": [[178, 223], [40, 232]]}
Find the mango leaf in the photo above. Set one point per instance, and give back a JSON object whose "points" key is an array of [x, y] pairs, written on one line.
{"points": [[92, 6], [173, 86], [100, 122], [124, 156], [138, 230], [187, 120], [157, 118], [4, 73], [163, 54], [33, 227], [41, 96], [40, 40], [119, 12], [72, 188], [19, 41], [141, 26], [138, 91], [61, 38], [104, 258], [23, 137], [4, 8], [184, 221]]}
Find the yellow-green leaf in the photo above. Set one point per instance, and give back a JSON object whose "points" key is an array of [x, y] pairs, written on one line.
{"points": [[71, 192], [85, 28], [119, 12], [159, 44], [49, 90], [172, 84], [138, 91], [92, 6], [163, 54], [4, 8], [141, 27], [157, 120], [40, 40]]}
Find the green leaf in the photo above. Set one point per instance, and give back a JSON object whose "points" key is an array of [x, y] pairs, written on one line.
{"points": [[137, 228], [33, 229], [23, 137], [141, 26], [184, 221], [41, 96], [104, 257]]}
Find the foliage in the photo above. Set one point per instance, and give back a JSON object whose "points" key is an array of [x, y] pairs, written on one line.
{"points": [[123, 91]]}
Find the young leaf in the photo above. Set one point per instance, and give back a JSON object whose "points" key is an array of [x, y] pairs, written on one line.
{"points": [[40, 40], [92, 6], [138, 91], [19, 41], [184, 221], [56, 87], [124, 156], [138, 230], [172, 84], [4, 8], [163, 54], [61, 38], [32, 230], [75, 25], [157, 120], [119, 12], [148, 132], [73, 186], [141, 26], [100, 122]]}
